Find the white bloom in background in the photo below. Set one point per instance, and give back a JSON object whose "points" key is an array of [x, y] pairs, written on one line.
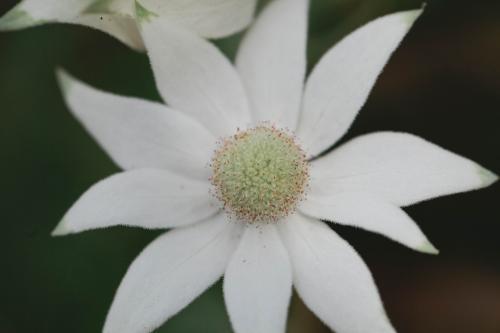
{"points": [[232, 174], [208, 18]]}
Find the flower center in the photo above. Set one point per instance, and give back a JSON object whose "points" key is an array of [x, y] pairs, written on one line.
{"points": [[260, 174]]}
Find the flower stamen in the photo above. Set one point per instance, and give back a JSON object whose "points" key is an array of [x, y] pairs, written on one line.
{"points": [[260, 174]]}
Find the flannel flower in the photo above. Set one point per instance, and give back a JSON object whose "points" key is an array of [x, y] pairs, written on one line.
{"points": [[234, 166], [208, 18]]}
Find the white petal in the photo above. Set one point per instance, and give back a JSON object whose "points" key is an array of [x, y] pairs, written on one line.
{"points": [[332, 279], [396, 167], [272, 62], [123, 28], [369, 213], [258, 282], [170, 273], [208, 18], [341, 82], [30, 13], [121, 7], [193, 76], [34, 12], [147, 198], [138, 133]]}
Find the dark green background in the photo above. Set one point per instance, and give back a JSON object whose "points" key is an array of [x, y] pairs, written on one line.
{"points": [[442, 84]]}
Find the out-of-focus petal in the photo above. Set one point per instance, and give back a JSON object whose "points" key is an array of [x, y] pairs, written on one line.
{"points": [[111, 18], [207, 18]]}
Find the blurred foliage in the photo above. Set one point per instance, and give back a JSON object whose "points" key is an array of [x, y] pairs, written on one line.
{"points": [[442, 84]]}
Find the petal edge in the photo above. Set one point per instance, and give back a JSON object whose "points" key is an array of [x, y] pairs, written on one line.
{"points": [[342, 80]]}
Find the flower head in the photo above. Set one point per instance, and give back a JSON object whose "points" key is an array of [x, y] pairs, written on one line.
{"points": [[260, 174], [228, 147], [208, 18]]}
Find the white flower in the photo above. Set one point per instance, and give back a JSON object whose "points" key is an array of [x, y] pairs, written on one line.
{"points": [[268, 234], [208, 18]]}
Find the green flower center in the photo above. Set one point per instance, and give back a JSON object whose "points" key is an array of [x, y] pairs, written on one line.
{"points": [[260, 174]]}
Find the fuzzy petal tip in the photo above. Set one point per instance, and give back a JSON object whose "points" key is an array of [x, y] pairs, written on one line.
{"points": [[428, 248], [61, 229], [143, 14], [412, 15], [64, 80], [16, 19], [487, 177]]}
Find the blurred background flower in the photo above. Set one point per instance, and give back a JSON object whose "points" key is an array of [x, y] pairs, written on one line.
{"points": [[443, 84]]}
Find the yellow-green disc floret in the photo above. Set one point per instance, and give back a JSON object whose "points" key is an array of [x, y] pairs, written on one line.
{"points": [[260, 174]]}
